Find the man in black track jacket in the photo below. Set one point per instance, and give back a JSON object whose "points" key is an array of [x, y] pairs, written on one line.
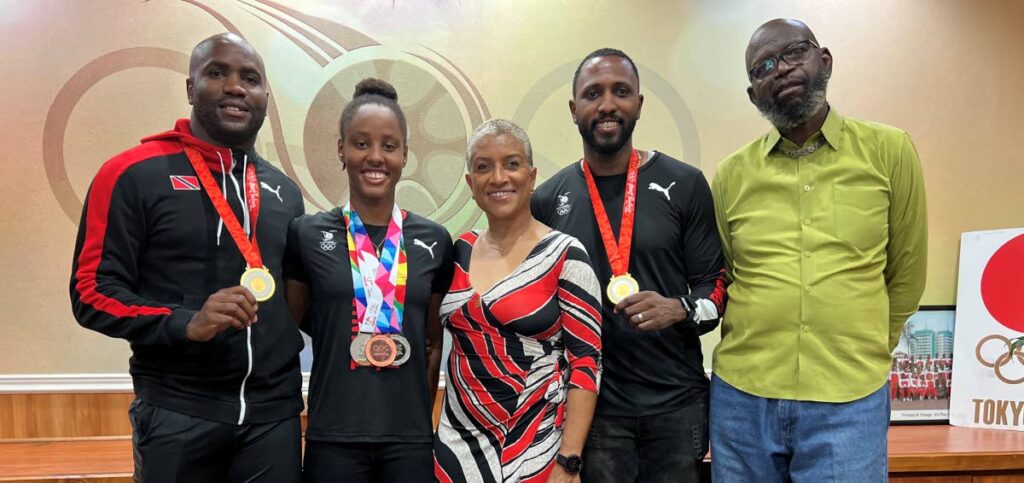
{"points": [[158, 262]]}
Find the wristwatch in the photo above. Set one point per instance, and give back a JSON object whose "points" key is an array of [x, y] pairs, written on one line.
{"points": [[691, 309], [572, 463]]}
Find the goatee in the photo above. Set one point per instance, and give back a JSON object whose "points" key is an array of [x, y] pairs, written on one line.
{"points": [[608, 146], [788, 116]]}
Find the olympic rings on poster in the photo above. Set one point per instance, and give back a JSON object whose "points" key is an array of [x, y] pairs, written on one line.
{"points": [[1004, 357]]}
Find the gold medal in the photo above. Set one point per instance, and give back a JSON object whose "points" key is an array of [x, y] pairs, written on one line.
{"points": [[620, 287], [381, 350], [358, 349], [260, 282], [404, 350]]}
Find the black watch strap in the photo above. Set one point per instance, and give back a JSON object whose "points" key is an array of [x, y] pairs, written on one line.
{"points": [[572, 463], [691, 308]]}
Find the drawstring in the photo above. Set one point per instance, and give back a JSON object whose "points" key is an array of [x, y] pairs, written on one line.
{"points": [[239, 191], [242, 194]]}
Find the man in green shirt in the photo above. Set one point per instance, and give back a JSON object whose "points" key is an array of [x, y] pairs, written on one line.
{"points": [[823, 228]]}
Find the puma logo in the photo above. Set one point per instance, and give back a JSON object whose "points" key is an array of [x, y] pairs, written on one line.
{"points": [[429, 249], [277, 191], [657, 187]]}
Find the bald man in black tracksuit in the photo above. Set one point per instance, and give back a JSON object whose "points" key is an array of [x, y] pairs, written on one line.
{"points": [[216, 374]]}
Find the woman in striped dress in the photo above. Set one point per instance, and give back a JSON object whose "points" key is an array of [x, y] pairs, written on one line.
{"points": [[524, 314]]}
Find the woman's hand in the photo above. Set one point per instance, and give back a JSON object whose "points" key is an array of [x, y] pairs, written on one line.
{"points": [[558, 475]]}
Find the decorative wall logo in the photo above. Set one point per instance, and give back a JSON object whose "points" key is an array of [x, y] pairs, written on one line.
{"points": [[441, 104], [556, 86]]}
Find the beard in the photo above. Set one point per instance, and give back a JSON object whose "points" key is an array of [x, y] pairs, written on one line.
{"points": [[610, 145], [790, 115], [228, 135]]}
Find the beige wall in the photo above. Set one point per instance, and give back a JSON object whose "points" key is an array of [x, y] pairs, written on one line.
{"points": [[84, 80]]}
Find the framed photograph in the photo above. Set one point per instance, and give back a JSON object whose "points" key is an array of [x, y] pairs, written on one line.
{"points": [[922, 367]]}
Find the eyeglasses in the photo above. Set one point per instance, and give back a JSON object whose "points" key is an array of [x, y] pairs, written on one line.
{"points": [[794, 55]]}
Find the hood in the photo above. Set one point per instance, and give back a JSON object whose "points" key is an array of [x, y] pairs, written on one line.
{"points": [[182, 134]]}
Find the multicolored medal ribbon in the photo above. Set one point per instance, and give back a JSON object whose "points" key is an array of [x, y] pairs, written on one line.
{"points": [[621, 285], [256, 277], [379, 282]]}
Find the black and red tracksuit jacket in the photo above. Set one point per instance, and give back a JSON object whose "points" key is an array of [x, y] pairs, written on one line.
{"points": [[151, 248]]}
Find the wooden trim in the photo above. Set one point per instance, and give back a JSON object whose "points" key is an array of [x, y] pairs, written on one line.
{"points": [[49, 416], [988, 455], [942, 462], [942, 448], [66, 460], [78, 439], [58, 415], [90, 383]]}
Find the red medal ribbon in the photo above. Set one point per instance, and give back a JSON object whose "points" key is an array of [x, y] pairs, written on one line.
{"points": [[250, 250], [618, 254]]}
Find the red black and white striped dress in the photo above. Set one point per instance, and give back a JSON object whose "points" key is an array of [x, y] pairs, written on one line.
{"points": [[516, 350]]}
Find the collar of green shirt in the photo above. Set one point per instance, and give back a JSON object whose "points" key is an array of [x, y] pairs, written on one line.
{"points": [[832, 129]]}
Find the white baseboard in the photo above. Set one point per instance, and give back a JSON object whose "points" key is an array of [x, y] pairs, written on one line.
{"points": [[64, 383], [86, 383]]}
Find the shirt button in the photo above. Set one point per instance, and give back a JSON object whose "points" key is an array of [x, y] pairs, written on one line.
{"points": [[807, 288], [807, 222], [807, 254], [807, 187], [807, 328]]}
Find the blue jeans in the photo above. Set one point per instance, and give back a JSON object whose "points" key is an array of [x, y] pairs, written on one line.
{"points": [[778, 440]]}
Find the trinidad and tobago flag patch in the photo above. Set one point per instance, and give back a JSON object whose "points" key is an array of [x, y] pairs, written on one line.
{"points": [[186, 183]]}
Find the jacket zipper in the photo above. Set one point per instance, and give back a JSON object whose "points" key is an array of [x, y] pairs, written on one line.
{"points": [[241, 390], [248, 330]]}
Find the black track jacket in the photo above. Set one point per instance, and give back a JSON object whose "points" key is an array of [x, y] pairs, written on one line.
{"points": [[150, 250]]}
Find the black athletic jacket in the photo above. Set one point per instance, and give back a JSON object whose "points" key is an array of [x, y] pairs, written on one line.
{"points": [[151, 249]]}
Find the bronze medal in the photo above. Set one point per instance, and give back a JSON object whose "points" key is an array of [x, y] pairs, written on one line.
{"points": [[381, 351]]}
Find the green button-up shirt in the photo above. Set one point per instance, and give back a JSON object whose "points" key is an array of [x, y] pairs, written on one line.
{"points": [[827, 257]]}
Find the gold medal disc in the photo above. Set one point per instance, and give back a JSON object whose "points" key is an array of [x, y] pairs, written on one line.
{"points": [[620, 287], [260, 282]]}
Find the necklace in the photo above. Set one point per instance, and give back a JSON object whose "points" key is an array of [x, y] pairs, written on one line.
{"points": [[804, 151], [486, 237]]}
